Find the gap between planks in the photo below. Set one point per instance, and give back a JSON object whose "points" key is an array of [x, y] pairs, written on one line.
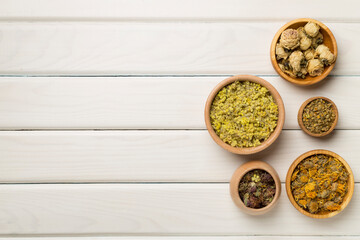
{"points": [[129, 130]]}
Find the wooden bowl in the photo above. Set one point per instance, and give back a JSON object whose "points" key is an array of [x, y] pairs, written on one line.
{"points": [[329, 41], [238, 175], [347, 196], [274, 135], [301, 123]]}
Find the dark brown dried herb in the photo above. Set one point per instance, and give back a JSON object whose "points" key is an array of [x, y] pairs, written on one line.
{"points": [[319, 184], [244, 114], [318, 116], [257, 189]]}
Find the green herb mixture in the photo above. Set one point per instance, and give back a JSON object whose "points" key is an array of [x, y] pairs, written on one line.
{"points": [[257, 189], [318, 116], [244, 114]]}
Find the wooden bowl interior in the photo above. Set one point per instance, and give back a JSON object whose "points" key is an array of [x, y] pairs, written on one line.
{"points": [[329, 41], [273, 136], [347, 197], [238, 175], [301, 123]]}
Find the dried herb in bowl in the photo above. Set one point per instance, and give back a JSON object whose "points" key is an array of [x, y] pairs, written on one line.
{"points": [[244, 114], [257, 189], [318, 116], [319, 184]]}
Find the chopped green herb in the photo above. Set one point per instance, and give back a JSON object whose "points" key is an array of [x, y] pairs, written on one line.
{"points": [[257, 189]]}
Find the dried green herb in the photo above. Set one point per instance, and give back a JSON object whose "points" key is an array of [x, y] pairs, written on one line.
{"points": [[318, 116], [319, 184], [244, 114], [257, 189]]}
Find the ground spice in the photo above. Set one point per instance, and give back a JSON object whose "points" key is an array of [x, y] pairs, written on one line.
{"points": [[257, 189], [319, 184], [318, 116], [244, 114]]}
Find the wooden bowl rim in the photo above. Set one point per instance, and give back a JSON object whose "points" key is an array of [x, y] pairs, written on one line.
{"points": [[301, 123], [273, 136], [238, 175], [348, 196], [302, 82]]}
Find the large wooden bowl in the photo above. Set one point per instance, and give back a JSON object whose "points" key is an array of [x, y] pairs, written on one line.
{"points": [[347, 196], [329, 41], [238, 175], [274, 135], [301, 123]]}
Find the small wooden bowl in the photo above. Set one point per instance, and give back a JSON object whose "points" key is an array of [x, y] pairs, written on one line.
{"points": [[301, 123], [238, 175], [347, 196], [274, 135], [329, 41]]}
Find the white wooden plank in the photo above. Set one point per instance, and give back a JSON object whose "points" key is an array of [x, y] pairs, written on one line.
{"points": [[178, 10], [187, 209], [148, 156], [153, 47], [190, 238], [145, 103]]}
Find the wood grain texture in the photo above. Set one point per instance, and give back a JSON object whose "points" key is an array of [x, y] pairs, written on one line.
{"points": [[105, 48], [277, 100], [177, 10], [187, 209], [149, 156], [146, 103], [328, 40], [237, 177]]}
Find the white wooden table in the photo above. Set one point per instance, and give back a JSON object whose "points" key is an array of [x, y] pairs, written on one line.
{"points": [[101, 117]]}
